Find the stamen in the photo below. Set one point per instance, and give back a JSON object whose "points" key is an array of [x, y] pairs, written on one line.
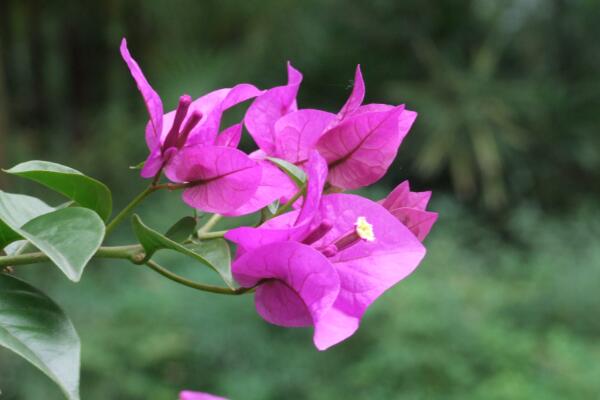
{"points": [[321, 230], [187, 128], [364, 229], [180, 113], [347, 240]]}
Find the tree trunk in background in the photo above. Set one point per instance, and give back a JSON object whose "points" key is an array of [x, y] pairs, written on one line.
{"points": [[3, 95], [3, 119], [39, 106]]}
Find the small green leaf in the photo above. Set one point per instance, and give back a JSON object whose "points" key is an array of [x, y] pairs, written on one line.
{"points": [[273, 206], [138, 165], [212, 255], [294, 172], [17, 247], [69, 236], [35, 328], [182, 229], [86, 191], [216, 251]]}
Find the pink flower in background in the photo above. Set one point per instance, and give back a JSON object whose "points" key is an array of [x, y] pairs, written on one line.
{"points": [[192, 123], [189, 395], [324, 264], [410, 209]]}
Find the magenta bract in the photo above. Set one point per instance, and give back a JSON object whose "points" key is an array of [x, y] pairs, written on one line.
{"points": [[221, 178], [410, 209], [269, 107], [189, 395]]}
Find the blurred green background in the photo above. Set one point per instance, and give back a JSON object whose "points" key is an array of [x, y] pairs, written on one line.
{"points": [[506, 304]]}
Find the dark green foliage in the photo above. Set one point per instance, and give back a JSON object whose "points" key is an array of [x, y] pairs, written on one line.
{"points": [[507, 91]]}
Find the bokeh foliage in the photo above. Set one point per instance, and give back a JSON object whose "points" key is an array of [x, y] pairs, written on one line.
{"points": [[507, 90]]}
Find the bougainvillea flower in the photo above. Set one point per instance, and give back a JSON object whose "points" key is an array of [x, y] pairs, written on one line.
{"points": [[410, 209], [359, 142], [220, 178], [387, 253], [363, 140], [191, 123], [189, 395], [368, 249]]}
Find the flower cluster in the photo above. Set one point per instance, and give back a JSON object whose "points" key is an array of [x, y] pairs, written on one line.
{"points": [[323, 262]]}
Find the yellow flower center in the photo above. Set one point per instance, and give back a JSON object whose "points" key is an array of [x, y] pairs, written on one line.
{"points": [[364, 229]]}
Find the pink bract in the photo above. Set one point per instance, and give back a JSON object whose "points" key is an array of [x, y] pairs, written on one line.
{"points": [[274, 185], [297, 133], [269, 107], [410, 209], [189, 395], [361, 148], [221, 178]]}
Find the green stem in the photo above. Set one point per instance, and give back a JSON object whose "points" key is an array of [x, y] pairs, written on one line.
{"points": [[124, 212], [198, 286], [133, 253], [285, 208], [122, 252], [212, 221], [212, 235]]}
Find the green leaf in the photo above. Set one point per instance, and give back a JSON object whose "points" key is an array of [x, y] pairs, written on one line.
{"points": [[35, 328], [69, 237], [18, 210], [212, 255], [86, 191], [182, 229], [273, 206], [216, 251], [294, 172]]}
